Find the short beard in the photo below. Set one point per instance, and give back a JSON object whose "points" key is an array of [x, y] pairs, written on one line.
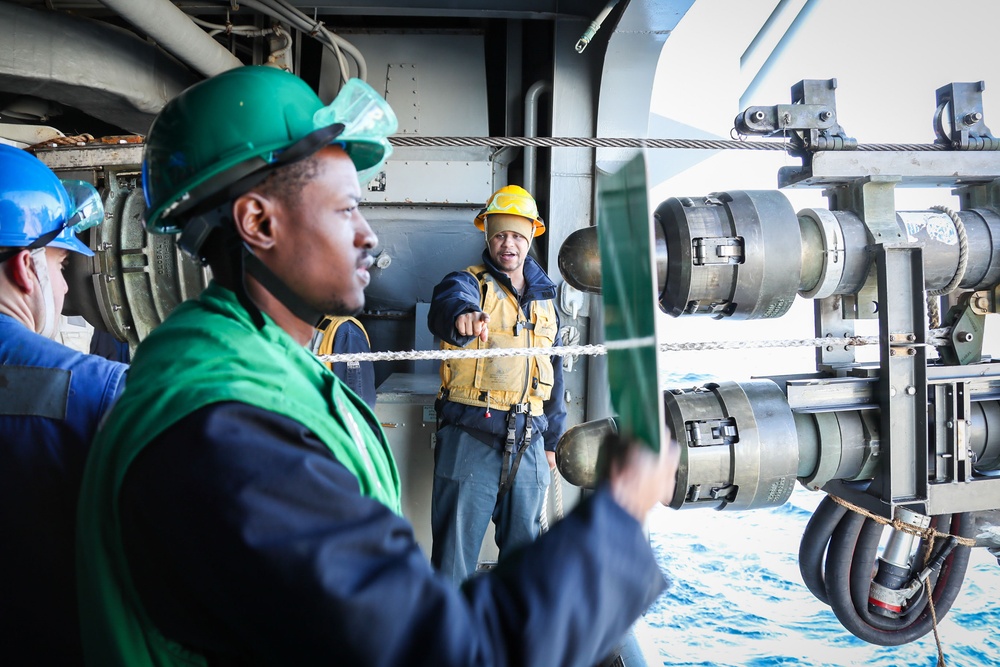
{"points": [[338, 308]]}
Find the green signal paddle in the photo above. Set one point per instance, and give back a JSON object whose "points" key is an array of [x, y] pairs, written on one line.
{"points": [[629, 295]]}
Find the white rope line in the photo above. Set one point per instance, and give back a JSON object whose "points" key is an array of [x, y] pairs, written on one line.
{"points": [[555, 485], [557, 482], [935, 337], [933, 303], [560, 351], [543, 517]]}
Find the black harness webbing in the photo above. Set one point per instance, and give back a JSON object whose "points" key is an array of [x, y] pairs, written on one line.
{"points": [[278, 289], [507, 479], [508, 470]]}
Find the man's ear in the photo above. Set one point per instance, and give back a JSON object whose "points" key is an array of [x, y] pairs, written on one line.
{"points": [[252, 216], [21, 270]]}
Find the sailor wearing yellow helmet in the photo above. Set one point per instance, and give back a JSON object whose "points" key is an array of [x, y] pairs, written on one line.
{"points": [[501, 417]]}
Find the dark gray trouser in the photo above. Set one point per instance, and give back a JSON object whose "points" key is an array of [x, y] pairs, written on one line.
{"points": [[466, 482]]}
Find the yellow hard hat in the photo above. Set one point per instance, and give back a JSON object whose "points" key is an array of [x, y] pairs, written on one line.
{"points": [[513, 200]]}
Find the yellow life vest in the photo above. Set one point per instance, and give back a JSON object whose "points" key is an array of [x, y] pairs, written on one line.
{"points": [[328, 326], [500, 382]]}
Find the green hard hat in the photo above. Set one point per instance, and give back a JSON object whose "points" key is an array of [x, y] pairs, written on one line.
{"points": [[222, 131]]}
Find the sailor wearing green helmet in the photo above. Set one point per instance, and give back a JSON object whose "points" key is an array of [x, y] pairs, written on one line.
{"points": [[241, 505]]}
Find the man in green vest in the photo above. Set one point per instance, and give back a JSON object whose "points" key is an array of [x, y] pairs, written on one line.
{"points": [[240, 505]]}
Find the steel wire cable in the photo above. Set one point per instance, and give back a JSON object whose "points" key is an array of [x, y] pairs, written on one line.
{"points": [[631, 142]]}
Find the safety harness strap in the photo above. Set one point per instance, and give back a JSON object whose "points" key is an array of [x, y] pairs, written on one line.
{"points": [[273, 284], [507, 478]]}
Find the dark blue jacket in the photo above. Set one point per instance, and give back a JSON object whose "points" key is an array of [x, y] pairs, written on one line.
{"points": [[249, 542], [459, 293], [51, 401], [351, 339]]}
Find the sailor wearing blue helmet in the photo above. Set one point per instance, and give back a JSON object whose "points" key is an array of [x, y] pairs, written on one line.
{"points": [[51, 401]]}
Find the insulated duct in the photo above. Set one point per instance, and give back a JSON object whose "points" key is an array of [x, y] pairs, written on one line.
{"points": [[177, 33], [104, 71]]}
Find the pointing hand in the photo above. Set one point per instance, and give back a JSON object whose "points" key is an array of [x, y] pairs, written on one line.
{"points": [[473, 324]]}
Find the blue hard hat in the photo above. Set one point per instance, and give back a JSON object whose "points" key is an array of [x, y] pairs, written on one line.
{"points": [[37, 209]]}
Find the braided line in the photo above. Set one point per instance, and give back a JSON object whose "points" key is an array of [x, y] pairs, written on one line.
{"points": [[908, 528], [933, 304], [935, 337], [963, 252]]}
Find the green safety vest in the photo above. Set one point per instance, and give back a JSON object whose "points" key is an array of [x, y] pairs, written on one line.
{"points": [[207, 351]]}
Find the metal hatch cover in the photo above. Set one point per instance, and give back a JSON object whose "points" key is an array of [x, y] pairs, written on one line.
{"points": [[629, 295]]}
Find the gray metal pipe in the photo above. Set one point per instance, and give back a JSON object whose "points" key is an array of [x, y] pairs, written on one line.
{"points": [[531, 130], [176, 33], [102, 70]]}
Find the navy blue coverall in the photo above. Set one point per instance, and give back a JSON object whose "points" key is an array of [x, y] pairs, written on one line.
{"points": [[51, 401], [468, 456], [250, 543]]}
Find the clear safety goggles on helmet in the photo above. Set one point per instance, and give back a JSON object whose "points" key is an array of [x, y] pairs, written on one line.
{"points": [[513, 203], [359, 120], [86, 210], [367, 119], [87, 207]]}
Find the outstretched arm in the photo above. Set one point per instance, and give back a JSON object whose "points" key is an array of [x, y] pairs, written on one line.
{"points": [[455, 316], [272, 553]]}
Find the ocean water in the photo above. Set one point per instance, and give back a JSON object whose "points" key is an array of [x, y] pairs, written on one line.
{"points": [[737, 598]]}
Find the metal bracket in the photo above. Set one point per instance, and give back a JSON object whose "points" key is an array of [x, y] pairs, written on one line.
{"points": [[967, 326], [712, 432], [810, 120], [962, 105], [771, 121], [717, 250]]}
